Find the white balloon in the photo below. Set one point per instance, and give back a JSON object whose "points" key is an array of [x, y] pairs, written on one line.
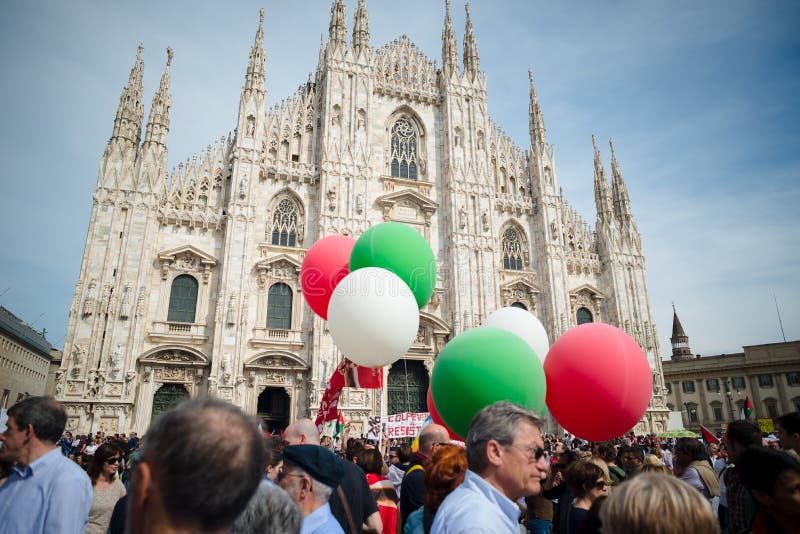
{"points": [[524, 324], [373, 317]]}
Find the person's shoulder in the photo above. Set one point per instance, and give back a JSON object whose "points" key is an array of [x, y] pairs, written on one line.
{"points": [[69, 471]]}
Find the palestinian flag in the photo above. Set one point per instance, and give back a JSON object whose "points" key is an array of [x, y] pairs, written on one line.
{"points": [[748, 408], [708, 436], [339, 425]]}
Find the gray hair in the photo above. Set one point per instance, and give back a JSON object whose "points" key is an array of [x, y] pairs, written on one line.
{"points": [[499, 422], [269, 510]]}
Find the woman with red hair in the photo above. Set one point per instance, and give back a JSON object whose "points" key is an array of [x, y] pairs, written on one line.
{"points": [[444, 472]]}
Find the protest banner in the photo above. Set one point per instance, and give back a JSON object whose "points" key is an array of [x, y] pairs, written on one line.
{"points": [[403, 425]]}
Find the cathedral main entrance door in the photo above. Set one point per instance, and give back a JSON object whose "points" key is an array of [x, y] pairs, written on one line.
{"points": [[407, 387], [167, 396], [273, 408]]}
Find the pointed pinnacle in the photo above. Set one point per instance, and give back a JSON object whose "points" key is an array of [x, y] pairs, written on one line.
{"points": [[139, 51], [594, 143], [169, 56], [611, 143], [261, 17]]}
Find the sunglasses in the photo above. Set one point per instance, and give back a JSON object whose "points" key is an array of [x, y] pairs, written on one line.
{"points": [[600, 484], [114, 460], [534, 454]]}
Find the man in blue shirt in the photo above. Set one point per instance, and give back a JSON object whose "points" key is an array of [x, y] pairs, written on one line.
{"points": [[46, 492], [505, 454]]}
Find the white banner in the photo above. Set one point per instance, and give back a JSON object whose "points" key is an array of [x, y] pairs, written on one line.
{"points": [[403, 425]]}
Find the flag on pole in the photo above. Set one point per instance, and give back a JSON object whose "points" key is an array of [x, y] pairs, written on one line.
{"points": [[346, 375], [340, 422], [748, 408], [708, 436]]}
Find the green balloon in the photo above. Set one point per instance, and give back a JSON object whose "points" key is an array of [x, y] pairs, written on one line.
{"points": [[402, 250], [480, 367]]}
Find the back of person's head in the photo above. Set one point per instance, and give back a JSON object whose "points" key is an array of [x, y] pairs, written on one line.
{"points": [[371, 461], [599, 462], [431, 435], [499, 422], [759, 468], [354, 447], [693, 448], [270, 509], [744, 433], [581, 476], [404, 453], [444, 472], [568, 457], [206, 458], [790, 422], [606, 451], [100, 457], [657, 468], [46, 415], [657, 504]]}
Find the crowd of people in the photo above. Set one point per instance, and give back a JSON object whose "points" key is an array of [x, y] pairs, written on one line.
{"points": [[205, 466]]}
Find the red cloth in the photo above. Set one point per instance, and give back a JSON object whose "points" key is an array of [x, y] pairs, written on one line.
{"points": [[708, 436], [346, 375], [389, 518]]}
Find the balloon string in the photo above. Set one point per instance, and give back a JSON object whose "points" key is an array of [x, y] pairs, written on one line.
{"points": [[408, 399]]}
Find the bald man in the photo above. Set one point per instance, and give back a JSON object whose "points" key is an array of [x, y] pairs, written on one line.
{"points": [[360, 502], [412, 490]]}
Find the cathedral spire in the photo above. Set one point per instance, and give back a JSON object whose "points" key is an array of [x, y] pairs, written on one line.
{"points": [[130, 112], [254, 79], [337, 29], [158, 121], [602, 195], [472, 63], [679, 339], [622, 203], [535, 118], [361, 28], [449, 46]]}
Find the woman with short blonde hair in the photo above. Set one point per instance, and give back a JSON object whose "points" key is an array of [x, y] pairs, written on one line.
{"points": [[681, 508]]}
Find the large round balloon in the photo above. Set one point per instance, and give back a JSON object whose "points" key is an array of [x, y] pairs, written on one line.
{"points": [[398, 248], [325, 265], [436, 418], [480, 367], [373, 317], [598, 381], [524, 324]]}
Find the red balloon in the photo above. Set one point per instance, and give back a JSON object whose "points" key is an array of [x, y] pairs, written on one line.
{"points": [[324, 266], [438, 420], [598, 381]]}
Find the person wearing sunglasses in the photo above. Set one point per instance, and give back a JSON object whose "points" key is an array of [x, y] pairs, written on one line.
{"points": [[587, 482], [106, 485], [505, 455]]}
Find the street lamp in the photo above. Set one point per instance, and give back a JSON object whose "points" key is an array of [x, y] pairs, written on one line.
{"points": [[729, 394], [689, 413]]}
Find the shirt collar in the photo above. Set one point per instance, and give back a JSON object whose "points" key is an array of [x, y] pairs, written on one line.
{"points": [[40, 463], [507, 506], [317, 518]]}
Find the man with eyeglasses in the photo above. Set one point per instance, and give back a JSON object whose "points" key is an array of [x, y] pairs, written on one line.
{"points": [[310, 475], [46, 492], [505, 454]]}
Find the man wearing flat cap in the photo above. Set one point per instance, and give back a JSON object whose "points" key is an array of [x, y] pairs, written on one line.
{"points": [[310, 474]]}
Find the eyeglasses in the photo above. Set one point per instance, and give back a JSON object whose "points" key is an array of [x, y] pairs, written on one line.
{"points": [[534, 454], [114, 460], [600, 484]]}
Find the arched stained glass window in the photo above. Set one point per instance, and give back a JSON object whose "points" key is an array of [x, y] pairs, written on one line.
{"points": [[404, 150], [279, 307], [284, 224], [182, 299], [512, 250], [584, 316]]}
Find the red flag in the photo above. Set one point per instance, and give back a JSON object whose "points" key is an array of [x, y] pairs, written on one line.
{"points": [[347, 374], [748, 407], [708, 436]]}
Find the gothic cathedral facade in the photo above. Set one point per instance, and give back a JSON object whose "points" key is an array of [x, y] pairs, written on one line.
{"points": [[189, 281]]}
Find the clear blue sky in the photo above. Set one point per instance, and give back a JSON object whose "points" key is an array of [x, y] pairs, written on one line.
{"points": [[701, 99]]}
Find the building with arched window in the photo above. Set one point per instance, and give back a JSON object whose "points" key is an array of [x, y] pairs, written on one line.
{"points": [[190, 279]]}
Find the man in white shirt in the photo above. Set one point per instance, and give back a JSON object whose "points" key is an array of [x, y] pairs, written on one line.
{"points": [[505, 454]]}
